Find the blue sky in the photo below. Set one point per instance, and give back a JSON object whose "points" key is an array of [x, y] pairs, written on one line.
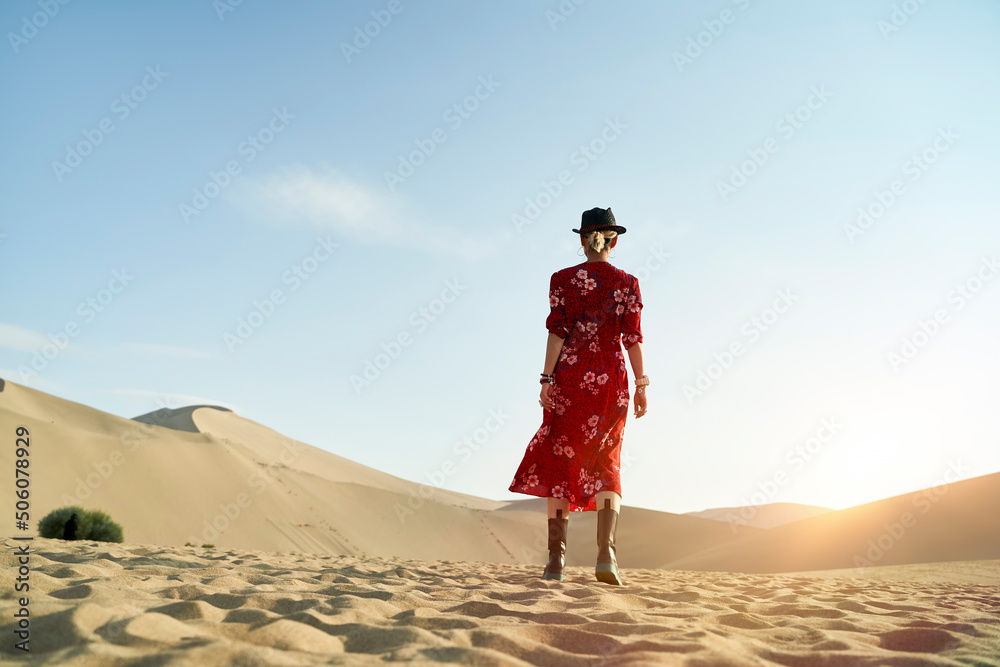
{"points": [[172, 168]]}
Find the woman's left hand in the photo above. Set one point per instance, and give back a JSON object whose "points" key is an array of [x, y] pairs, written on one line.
{"points": [[640, 403], [548, 402]]}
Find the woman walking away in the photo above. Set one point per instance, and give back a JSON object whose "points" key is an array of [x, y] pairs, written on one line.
{"points": [[573, 459]]}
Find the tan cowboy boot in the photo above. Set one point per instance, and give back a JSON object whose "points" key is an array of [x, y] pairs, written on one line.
{"points": [[557, 547], [607, 525]]}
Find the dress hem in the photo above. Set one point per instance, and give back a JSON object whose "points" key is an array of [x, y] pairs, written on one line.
{"points": [[591, 506]]}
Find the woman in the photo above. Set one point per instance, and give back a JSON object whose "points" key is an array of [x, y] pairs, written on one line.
{"points": [[573, 460]]}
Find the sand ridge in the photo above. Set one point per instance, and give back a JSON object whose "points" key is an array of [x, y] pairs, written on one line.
{"points": [[104, 604]]}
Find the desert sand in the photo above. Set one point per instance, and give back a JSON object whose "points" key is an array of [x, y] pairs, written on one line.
{"points": [[105, 605], [246, 547]]}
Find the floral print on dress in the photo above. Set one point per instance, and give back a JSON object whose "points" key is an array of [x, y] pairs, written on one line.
{"points": [[562, 449], [595, 307], [584, 281], [556, 298], [539, 437], [623, 399], [591, 483]]}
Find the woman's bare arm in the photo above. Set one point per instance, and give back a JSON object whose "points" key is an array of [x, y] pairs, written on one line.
{"points": [[635, 357], [553, 347]]}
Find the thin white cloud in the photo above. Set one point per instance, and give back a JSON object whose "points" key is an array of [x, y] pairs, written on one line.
{"points": [[330, 200], [168, 351], [13, 337]]}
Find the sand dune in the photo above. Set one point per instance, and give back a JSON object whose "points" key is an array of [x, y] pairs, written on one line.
{"points": [[178, 419], [951, 522], [96, 604], [206, 475], [232, 482], [768, 515]]}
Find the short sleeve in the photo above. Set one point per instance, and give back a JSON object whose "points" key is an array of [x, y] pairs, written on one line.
{"points": [[556, 321], [631, 311]]}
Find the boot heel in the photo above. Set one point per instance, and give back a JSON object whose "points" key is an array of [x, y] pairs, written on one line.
{"points": [[608, 573]]}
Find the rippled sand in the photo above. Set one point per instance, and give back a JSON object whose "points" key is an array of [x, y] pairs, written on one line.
{"points": [[99, 604]]}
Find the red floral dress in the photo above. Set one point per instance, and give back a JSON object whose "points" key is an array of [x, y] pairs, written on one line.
{"points": [[576, 452]]}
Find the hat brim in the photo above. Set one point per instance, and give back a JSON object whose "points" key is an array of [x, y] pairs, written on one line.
{"points": [[617, 228]]}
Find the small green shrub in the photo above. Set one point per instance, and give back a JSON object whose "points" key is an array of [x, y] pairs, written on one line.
{"points": [[55, 521], [91, 525], [102, 529]]}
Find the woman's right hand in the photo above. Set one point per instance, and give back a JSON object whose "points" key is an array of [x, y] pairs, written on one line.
{"points": [[548, 402], [640, 403]]}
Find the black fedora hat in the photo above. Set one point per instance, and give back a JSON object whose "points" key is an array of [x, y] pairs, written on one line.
{"points": [[598, 219]]}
